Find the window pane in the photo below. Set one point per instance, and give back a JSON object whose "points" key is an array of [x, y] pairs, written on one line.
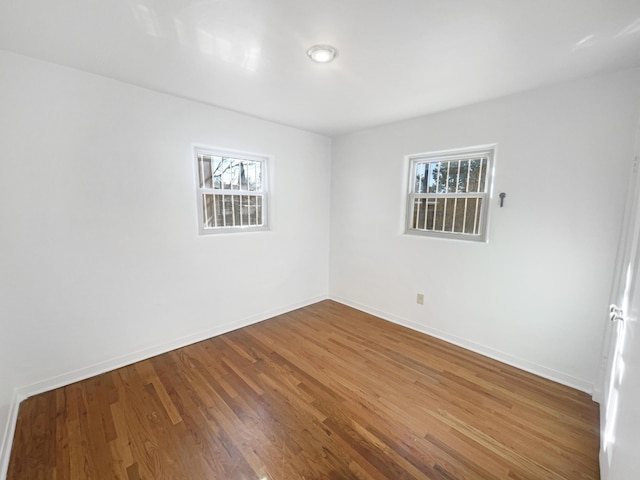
{"points": [[441, 177], [458, 215], [227, 211], [212, 211], [219, 210], [455, 176], [251, 211], [453, 215], [421, 177], [472, 216], [483, 177], [255, 177], [237, 170], [204, 171], [419, 211], [244, 210], [230, 173], [431, 206], [225, 174], [259, 210], [477, 174], [235, 173], [433, 177], [452, 184], [438, 215], [232, 210], [244, 176], [448, 214], [463, 180], [236, 201], [207, 211]]}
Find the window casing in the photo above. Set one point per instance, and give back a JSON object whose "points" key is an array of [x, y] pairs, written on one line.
{"points": [[232, 193], [449, 193]]}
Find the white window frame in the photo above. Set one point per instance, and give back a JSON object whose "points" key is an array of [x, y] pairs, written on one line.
{"points": [[201, 190], [487, 151]]}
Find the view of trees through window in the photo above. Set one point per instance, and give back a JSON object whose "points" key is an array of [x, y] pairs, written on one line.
{"points": [[448, 195], [232, 191]]}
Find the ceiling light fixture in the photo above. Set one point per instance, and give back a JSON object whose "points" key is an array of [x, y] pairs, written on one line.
{"points": [[322, 53]]}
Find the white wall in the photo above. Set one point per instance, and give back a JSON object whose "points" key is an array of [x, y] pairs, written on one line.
{"points": [[100, 260], [537, 293]]}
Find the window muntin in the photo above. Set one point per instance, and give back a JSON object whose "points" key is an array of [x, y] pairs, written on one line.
{"points": [[231, 191], [448, 194]]}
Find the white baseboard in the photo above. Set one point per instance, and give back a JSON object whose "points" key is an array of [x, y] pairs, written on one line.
{"points": [[7, 437], [68, 378], [522, 364], [597, 395]]}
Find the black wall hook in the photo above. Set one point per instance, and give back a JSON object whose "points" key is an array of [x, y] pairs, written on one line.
{"points": [[502, 195]]}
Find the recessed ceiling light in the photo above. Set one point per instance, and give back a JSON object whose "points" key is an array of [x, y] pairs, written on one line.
{"points": [[322, 53]]}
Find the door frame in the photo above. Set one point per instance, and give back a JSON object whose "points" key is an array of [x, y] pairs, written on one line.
{"points": [[623, 283]]}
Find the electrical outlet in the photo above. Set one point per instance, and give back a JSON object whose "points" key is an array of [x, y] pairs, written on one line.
{"points": [[420, 299]]}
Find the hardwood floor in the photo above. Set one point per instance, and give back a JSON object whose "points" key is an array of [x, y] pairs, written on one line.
{"points": [[324, 392]]}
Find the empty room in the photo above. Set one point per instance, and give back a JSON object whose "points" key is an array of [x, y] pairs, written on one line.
{"points": [[297, 240]]}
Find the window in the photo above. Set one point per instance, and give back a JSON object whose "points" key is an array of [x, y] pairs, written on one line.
{"points": [[231, 191], [449, 193]]}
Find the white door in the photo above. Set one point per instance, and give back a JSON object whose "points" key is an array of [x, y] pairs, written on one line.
{"points": [[618, 388]]}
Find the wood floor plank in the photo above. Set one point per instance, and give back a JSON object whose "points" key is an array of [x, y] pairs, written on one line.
{"points": [[323, 392]]}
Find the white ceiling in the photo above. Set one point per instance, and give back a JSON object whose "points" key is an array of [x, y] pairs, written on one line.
{"points": [[398, 59]]}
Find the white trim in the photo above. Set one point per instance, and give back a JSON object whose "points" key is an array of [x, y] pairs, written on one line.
{"points": [[527, 366], [454, 153], [21, 393], [151, 351], [7, 438], [264, 160], [622, 296], [604, 462], [466, 153]]}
